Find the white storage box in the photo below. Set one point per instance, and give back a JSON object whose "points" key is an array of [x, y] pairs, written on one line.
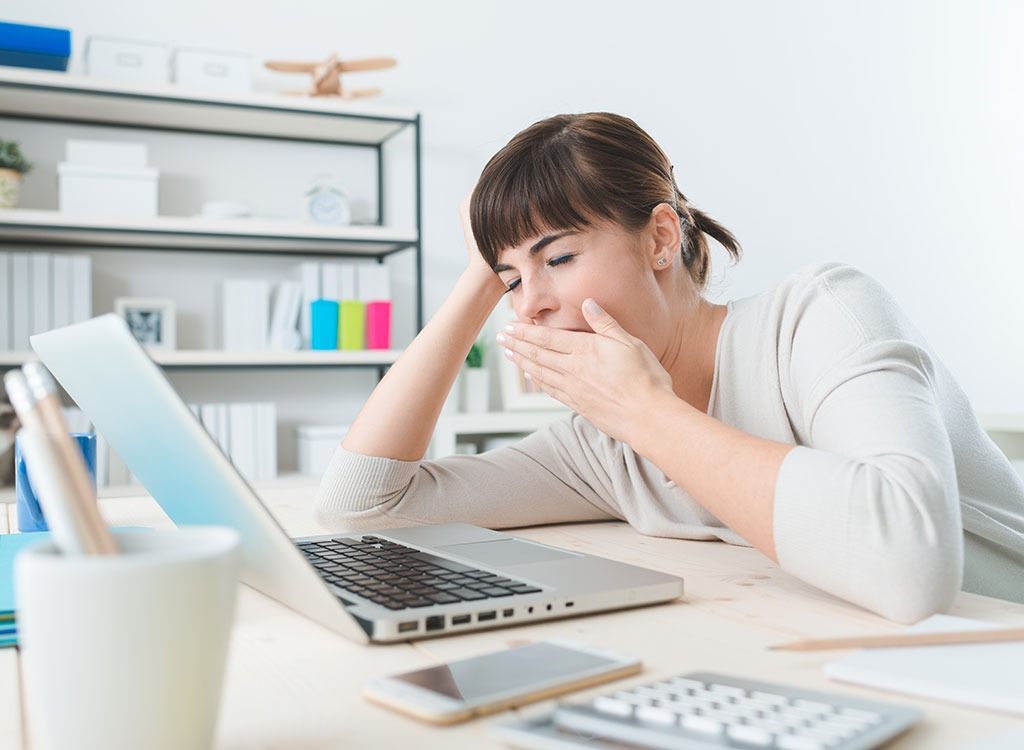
{"points": [[317, 444], [211, 69], [116, 154], [127, 60], [105, 191]]}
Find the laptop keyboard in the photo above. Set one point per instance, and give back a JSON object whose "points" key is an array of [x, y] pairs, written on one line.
{"points": [[400, 577]]}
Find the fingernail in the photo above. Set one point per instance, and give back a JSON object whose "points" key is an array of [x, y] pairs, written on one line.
{"points": [[510, 328], [500, 338], [592, 307], [508, 353]]}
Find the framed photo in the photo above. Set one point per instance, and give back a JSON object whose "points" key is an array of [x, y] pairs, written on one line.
{"points": [[519, 394], [151, 321]]}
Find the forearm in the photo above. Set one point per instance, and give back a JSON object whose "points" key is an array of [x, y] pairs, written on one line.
{"points": [[398, 418], [729, 472]]}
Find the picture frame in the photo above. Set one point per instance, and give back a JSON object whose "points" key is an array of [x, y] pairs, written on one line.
{"points": [[151, 321], [519, 394]]}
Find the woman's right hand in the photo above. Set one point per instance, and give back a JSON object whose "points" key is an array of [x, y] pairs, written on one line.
{"points": [[476, 260]]}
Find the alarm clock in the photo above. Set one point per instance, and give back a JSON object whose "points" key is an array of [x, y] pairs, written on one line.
{"points": [[326, 203]]}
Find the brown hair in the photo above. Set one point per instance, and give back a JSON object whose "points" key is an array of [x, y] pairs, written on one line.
{"points": [[568, 171]]}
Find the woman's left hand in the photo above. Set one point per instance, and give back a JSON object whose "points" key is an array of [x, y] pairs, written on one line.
{"points": [[609, 377]]}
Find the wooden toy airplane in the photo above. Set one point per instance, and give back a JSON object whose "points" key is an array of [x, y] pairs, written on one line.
{"points": [[327, 74]]}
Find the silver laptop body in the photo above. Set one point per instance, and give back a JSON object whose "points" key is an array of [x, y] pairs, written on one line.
{"points": [[136, 409]]}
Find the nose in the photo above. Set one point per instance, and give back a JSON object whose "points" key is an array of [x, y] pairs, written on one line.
{"points": [[536, 301]]}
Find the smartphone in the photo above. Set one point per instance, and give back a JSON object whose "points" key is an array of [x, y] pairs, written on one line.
{"points": [[493, 682]]}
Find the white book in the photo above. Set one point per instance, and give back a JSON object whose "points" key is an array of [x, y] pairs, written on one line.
{"points": [[40, 277], [348, 281], [245, 314], [62, 295], [330, 281], [214, 418], [309, 278], [242, 419], [21, 290], [5, 301], [283, 335], [81, 288], [373, 282], [266, 430]]}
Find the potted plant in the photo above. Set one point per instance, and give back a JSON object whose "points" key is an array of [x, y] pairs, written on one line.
{"points": [[476, 382], [13, 165]]}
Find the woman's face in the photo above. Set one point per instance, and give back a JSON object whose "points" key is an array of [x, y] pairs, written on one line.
{"points": [[549, 276]]}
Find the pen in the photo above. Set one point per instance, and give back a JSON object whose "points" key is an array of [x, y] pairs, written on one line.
{"points": [[65, 513], [899, 640], [43, 387]]}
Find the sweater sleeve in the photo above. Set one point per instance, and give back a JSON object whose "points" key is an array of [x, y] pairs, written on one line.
{"points": [[868, 507], [524, 484]]}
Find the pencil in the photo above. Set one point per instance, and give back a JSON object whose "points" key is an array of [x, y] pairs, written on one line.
{"points": [[98, 539], [900, 640]]}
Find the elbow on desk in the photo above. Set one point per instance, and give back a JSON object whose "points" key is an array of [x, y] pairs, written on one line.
{"points": [[915, 591]]}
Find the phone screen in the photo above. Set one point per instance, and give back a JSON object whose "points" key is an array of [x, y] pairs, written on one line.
{"points": [[471, 680]]}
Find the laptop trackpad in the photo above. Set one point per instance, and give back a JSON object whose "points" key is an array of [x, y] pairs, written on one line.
{"points": [[506, 552]]}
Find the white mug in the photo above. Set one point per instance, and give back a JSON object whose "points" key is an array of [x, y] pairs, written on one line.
{"points": [[129, 650]]}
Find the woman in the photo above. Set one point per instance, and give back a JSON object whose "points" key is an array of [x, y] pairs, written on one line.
{"points": [[812, 421]]}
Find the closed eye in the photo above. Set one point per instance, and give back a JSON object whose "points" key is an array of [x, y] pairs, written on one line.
{"points": [[560, 259], [512, 285]]}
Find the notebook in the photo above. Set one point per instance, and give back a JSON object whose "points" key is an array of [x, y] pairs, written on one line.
{"points": [[982, 675], [136, 409]]}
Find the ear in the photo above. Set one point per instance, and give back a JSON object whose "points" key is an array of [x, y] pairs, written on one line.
{"points": [[667, 236]]}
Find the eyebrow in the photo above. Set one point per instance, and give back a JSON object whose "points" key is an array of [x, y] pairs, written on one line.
{"points": [[537, 247]]}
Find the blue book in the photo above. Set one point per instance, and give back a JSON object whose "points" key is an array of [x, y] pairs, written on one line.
{"points": [[42, 47]]}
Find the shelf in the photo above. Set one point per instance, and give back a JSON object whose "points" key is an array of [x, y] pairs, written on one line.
{"points": [[216, 359], [31, 226], [1001, 422], [45, 95]]}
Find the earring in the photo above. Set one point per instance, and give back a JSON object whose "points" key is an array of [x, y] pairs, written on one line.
{"points": [[662, 261]]}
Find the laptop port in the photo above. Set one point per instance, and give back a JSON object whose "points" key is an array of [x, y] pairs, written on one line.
{"points": [[435, 622], [408, 627], [461, 619], [484, 616], [507, 612], [569, 604]]}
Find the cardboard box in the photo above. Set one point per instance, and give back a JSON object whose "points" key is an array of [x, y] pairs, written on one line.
{"points": [[317, 444], [41, 47], [211, 69], [106, 191], [131, 60]]}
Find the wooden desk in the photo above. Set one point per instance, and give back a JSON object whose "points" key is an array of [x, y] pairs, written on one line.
{"points": [[292, 684]]}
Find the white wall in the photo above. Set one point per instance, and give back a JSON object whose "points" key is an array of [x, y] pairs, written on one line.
{"points": [[883, 133]]}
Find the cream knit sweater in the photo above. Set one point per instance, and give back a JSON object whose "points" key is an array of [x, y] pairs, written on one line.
{"points": [[894, 498]]}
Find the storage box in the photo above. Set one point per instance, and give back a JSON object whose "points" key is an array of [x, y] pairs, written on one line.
{"points": [[211, 69], [106, 191], [116, 154], [127, 60], [317, 444], [41, 47]]}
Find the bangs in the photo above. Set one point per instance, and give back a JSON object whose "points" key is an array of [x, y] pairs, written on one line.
{"points": [[545, 190]]}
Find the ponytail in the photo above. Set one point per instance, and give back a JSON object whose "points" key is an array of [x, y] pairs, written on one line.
{"points": [[697, 227]]}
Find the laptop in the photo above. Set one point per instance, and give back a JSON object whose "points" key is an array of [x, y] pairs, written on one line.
{"points": [[391, 585]]}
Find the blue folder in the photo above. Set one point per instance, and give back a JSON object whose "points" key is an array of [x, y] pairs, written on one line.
{"points": [[41, 47]]}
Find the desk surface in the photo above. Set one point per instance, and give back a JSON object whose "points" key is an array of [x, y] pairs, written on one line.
{"points": [[292, 684]]}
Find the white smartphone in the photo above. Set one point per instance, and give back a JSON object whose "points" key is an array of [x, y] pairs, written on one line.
{"points": [[493, 682]]}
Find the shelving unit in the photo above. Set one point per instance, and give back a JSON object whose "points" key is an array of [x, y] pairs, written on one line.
{"points": [[50, 99], [41, 95]]}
